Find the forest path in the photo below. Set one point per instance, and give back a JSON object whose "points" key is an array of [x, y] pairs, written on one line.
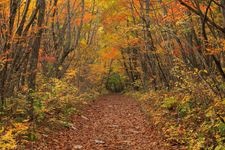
{"points": [[112, 122]]}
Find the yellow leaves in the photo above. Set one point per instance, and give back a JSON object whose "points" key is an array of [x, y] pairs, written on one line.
{"points": [[115, 13], [70, 74], [7, 138], [222, 42], [1, 130], [97, 71], [223, 102], [198, 144], [160, 50], [60, 67], [114, 19], [83, 43], [20, 127]]}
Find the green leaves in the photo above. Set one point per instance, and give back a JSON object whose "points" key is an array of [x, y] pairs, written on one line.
{"points": [[220, 147], [221, 128], [169, 103], [114, 83]]}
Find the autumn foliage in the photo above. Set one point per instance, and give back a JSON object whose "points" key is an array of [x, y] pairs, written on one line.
{"points": [[57, 54]]}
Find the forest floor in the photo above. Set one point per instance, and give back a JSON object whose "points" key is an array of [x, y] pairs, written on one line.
{"points": [[112, 122]]}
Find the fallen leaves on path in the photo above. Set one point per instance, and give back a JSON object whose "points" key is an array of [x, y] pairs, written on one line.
{"points": [[113, 122]]}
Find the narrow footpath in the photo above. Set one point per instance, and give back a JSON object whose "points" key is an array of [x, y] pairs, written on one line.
{"points": [[113, 122]]}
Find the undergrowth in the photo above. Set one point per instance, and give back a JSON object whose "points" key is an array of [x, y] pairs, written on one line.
{"points": [[54, 102], [192, 121], [186, 121], [190, 116]]}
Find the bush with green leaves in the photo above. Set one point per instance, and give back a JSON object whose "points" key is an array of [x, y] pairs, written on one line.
{"points": [[170, 103], [115, 83]]}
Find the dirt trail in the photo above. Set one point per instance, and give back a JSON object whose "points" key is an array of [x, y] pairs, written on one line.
{"points": [[113, 122]]}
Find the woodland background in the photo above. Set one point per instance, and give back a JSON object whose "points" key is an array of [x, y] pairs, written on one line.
{"points": [[55, 55]]}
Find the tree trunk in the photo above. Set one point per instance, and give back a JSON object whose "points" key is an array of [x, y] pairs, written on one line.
{"points": [[34, 56]]}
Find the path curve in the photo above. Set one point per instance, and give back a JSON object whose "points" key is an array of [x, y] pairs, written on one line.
{"points": [[113, 122]]}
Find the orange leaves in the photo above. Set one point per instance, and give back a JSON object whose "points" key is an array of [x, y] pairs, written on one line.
{"points": [[175, 11], [134, 41], [114, 18], [215, 47], [110, 54], [87, 18], [4, 57], [116, 13]]}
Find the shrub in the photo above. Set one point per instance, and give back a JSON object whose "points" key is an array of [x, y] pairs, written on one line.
{"points": [[115, 83], [170, 103]]}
